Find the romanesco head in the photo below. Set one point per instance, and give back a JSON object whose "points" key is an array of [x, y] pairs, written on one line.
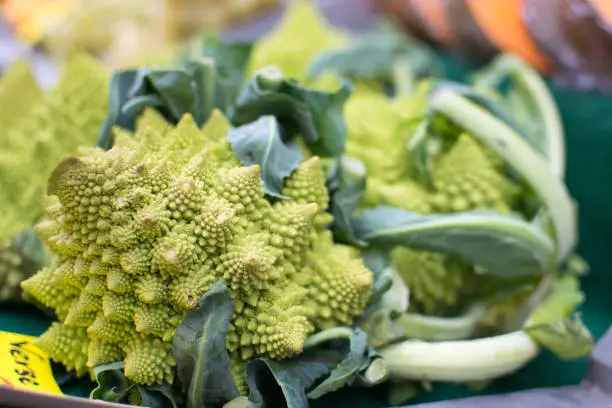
{"points": [[434, 280], [288, 48], [466, 179], [140, 232], [378, 130]]}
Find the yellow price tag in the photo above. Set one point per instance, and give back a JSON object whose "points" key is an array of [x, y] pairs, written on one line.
{"points": [[25, 366]]}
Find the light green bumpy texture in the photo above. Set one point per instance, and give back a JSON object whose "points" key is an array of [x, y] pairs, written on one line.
{"points": [[12, 274], [38, 127], [141, 231]]}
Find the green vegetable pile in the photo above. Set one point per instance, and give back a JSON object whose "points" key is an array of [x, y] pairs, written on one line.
{"points": [[456, 190], [38, 127], [275, 220]]}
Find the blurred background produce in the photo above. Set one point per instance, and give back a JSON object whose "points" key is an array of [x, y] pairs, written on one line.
{"points": [[568, 39], [121, 32]]}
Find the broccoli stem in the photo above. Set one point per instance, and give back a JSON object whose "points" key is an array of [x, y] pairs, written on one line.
{"points": [[403, 77], [208, 80], [423, 327], [537, 93], [376, 373], [329, 334], [460, 361]]}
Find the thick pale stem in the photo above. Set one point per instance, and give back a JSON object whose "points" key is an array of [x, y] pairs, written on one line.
{"points": [[459, 361], [422, 327], [543, 101], [534, 92], [329, 334], [376, 373]]}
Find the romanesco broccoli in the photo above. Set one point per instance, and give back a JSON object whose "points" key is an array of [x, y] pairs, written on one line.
{"points": [[141, 231], [464, 177], [301, 16], [38, 127], [35, 136]]}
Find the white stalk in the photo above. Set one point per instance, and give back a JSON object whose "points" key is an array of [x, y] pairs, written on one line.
{"points": [[460, 361], [422, 327]]}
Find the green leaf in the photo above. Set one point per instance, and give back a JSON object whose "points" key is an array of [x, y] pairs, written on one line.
{"points": [[520, 156], [172, 92], [231, 59], [384, 43], [567, 339], [378, 262], [331, 359], [316, 115], [503, 246], [560, 302], [346, 192], [113, 386], [344, 372], [119, 94], [158, 396], [552, 325], [202, 360], [260, 143], [271, 382], [175, 87], [359, 365]]}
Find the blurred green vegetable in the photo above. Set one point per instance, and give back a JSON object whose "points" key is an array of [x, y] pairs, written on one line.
{"points": [[38, 127]]}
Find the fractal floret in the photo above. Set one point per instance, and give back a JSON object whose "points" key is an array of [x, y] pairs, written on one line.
{"points": [[140, 232], [464, 175]]}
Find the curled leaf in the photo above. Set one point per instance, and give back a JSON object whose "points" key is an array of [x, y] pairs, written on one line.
{"points": [[344, 372], [199, 348], [113, 385], [501, 245], [331, 359], [158, 396], [567, 338], [316, 115], [273, 381], [347, 191], [260, 143], [231, 59]]}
